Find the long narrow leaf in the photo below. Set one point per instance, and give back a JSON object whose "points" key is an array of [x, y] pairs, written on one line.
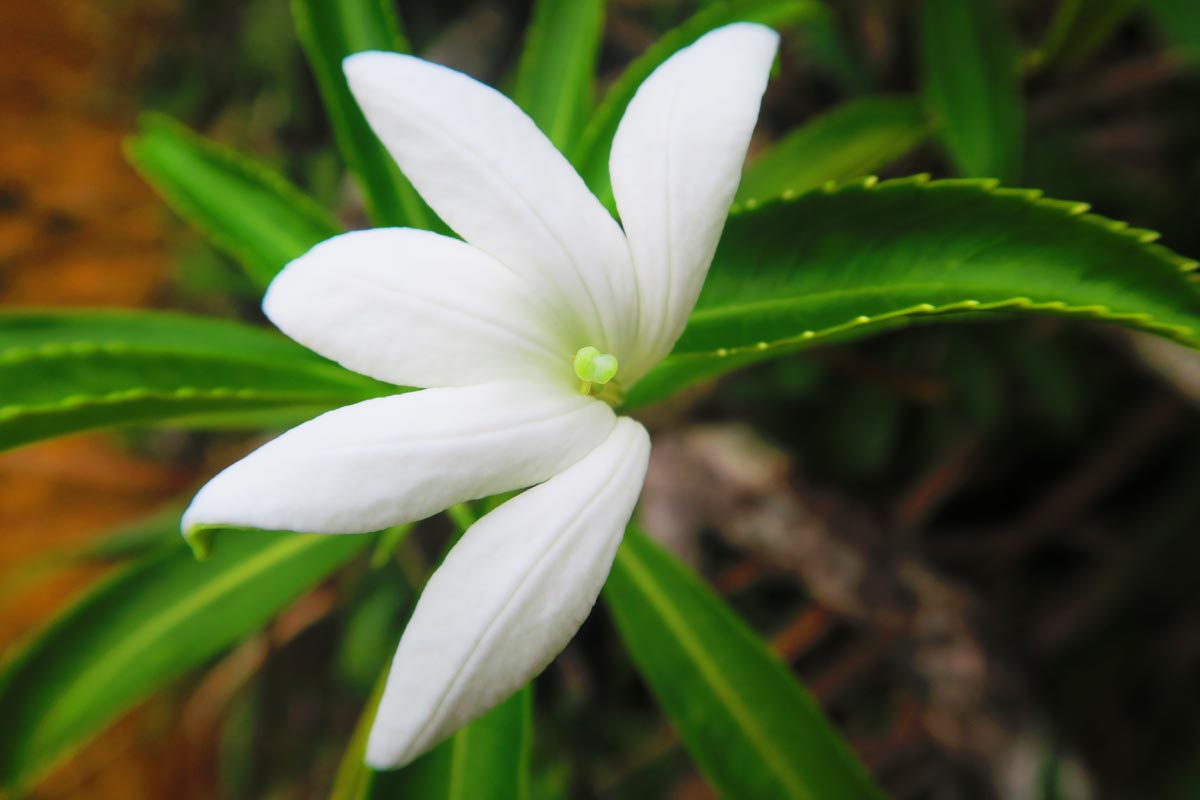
{"points": [[143, 628], [971, 86], [330, 30], [354, 779], [852, 141], [246, 208], [827, 46], [486, 760], [69, 371], [1080, 28], [558, 66], [591, 157], [750, 727], [840, 264]]}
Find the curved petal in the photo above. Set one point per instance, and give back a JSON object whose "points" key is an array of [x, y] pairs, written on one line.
{"points": [[676, 161], [416, 309], [396, 459], [508, 598], [482, 164]]}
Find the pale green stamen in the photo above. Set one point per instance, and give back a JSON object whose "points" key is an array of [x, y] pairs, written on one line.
{"points": [[593, 367]]}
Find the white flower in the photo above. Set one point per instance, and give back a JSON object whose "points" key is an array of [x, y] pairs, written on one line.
{"points": [[522, 333]]}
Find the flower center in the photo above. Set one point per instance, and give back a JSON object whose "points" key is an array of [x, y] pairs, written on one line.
{"points": [[593, 368]]}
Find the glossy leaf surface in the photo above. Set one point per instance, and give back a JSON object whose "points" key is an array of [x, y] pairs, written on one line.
{"points": [[851, 141], [142, 628], [558, 66], [69, 371], [971, 82], [246, 208], [840, 264], [750, 727], [330, 30], [591, 156]]}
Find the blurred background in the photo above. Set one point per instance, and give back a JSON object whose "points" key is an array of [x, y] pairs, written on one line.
{"points": [[976, 544]]}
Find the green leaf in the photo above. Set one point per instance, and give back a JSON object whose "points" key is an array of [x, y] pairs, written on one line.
{"points": [[330, 30], [354, 779], [591, 157], [143, 628], [69, 371], [825, 44], [489, 759], [139, 538], [750, 727], [367, 639], [558, 66], [248, 210], [972, 87], [852, 141], [1180, 19], [840, 264], [1080, 28]]}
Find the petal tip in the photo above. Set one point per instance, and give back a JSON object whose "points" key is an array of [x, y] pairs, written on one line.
{"points": [[386, 750], [744, 36], [189, 522], [357, 63], [361, 68]]}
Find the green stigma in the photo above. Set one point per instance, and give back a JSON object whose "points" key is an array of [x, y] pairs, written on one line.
{"points": [[594, 367]]}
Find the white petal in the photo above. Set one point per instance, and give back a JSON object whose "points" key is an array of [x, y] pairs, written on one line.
{"points": [[508, 598], [397, 459], [675, 165], [482, 164], [417, 309]]}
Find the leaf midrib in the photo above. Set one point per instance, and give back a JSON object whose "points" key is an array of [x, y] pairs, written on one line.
{"points": [[751, 306], [269, 240], [762, 741], [137, 394], [116, 658], [748, 307], [299, 364]]}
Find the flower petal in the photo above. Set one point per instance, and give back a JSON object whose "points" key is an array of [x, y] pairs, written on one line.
{"points": [[508, 598], [482, 164], [417, 309], [396, 459], [675, 164]]}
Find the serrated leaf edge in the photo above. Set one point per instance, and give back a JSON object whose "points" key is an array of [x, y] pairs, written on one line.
{"points": [[816, 337], [1067, 208], [182, 394], [1073, 210], [84, 349]]}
